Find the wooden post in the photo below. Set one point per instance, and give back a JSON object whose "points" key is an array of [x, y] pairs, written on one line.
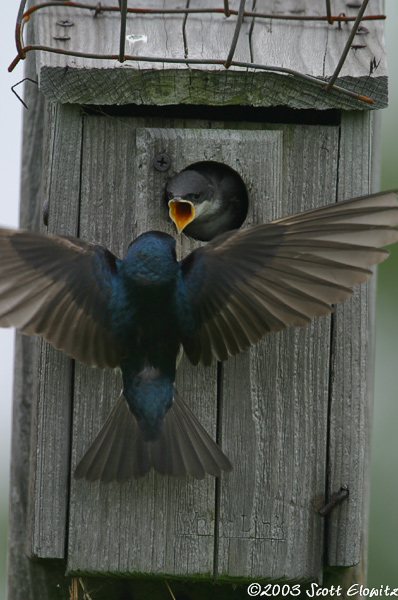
{"points": [[294, 412]]}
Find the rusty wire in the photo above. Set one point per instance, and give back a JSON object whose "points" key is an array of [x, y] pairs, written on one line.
{"points": [[329, 12], [226, 8], [123, 26], [19, 83], [347, 46], [239, 22], [124, 10], [98, 7]]}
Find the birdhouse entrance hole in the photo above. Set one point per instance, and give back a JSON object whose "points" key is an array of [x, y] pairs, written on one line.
{"points": [[206, 199]]}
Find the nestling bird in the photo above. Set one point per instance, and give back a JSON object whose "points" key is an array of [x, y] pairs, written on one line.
{"points": [[206, 199], [135, 314]]}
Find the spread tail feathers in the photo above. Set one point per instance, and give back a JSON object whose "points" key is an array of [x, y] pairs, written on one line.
{"points": [[183, 448]]}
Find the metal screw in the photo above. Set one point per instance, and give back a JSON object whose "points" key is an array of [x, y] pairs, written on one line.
{"points": [[161, 162], [65, 23]]}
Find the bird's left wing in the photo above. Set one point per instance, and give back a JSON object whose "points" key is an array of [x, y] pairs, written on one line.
{"points": [[244, 284], [59, 287]]}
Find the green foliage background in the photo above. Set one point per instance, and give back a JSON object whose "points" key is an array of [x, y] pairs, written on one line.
{"points": [[383, 532]]}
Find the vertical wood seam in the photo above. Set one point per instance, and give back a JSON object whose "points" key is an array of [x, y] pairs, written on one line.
{"points": [[66, 540], [83, 117], [338, 158], [73, 362], [328, 491], [217, 483]]}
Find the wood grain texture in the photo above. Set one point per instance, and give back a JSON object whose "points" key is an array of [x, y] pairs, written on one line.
{"points": [[351, 372], [53, 398], [279, 384], [171, 519], [292, 389], [309, 47], [275, 404], [295, 410], [27, 579], [210, 36]]}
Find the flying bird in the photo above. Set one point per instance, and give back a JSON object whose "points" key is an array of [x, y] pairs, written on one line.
{"points": [[206, 199], [136, 314]]}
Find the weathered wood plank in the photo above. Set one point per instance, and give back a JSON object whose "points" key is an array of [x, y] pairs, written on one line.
{"points": [[314, 47], [144, 36], [28, 580], [275, 403], [52, 408], [308, 47], [111, 217], [282, 401], [111, 189], [351, 371], [210, 36], [178, 516]]}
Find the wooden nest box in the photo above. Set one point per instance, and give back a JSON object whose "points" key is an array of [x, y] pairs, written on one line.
{"points": [[294, 411]]}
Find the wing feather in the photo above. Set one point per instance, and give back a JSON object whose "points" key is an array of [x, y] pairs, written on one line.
{"points": [[252, 281], [59, 288], [183, 447]]}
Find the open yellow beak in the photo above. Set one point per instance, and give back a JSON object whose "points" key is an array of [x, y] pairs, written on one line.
{"points": [[181, 213]]}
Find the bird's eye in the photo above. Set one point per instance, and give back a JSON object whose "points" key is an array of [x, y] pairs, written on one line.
{"points": [[195, 196]]}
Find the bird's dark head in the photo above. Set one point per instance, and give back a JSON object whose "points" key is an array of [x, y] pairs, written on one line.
{"points": [[151, 259], [189, 194]]}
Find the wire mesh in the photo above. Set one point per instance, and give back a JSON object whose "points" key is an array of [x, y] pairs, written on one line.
{"points": [[240, 14]]}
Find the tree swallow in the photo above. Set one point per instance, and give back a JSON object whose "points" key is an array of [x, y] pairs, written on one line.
{"points": [[206, 199], [136, 313]]}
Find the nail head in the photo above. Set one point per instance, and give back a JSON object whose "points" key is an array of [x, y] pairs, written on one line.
{"points": [[65, 23]]}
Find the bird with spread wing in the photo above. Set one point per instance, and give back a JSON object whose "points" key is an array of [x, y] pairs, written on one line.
{"points": [[136, 314]]}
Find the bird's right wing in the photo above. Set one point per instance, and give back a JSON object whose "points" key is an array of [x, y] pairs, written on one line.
{"points": [[246, 283], [59, 287]]}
